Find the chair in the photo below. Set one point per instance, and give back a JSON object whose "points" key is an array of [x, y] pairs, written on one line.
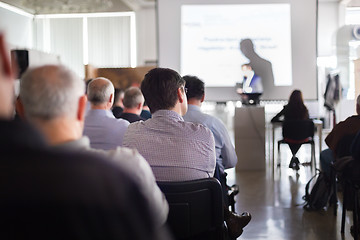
{"points": [[342, 150], [229, 192], [350, 185], [196, 208], [295, 133]]}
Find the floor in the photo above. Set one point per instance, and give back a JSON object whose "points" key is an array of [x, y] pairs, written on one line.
{"points": [[274, 199]]}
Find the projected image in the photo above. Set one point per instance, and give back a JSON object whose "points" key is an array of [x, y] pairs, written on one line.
{"points": [[216, 40]]}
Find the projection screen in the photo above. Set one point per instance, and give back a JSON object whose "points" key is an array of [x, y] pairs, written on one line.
{"points": [[202, 38]]}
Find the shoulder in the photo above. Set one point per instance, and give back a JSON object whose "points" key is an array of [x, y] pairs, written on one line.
{"points": [[197, 131], [121, 121]]}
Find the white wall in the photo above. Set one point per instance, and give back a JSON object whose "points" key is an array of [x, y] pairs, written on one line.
{"points": [[146, 35], [328, 23], [18, 28]]}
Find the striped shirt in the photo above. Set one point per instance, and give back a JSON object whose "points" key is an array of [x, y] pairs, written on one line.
{"points": [[176, 150]]}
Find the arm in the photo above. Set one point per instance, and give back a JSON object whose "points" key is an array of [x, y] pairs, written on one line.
{"points": [[228, 154], [277, 116]]}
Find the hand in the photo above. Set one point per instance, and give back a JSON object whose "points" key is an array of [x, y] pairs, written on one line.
{"points": [[6, 82]]}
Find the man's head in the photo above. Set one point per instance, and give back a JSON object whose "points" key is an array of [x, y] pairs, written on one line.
{"points": [[50, 92], [246, 69], [53, 98], [133, 100], [164, 89], [195, 89], [358, 105], [101, 93]]}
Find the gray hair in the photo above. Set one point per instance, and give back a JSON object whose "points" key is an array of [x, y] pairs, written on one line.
{"points": [[133, 97], [50, 91], [99, 90]]}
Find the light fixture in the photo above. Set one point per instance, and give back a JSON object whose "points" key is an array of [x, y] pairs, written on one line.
{"points": [[67, 6]]}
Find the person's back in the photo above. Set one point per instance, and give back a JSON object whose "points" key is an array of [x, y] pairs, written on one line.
{"points": [[60, 195], [225, 151], [176, 150], [347, 128], [294, 110], [104, 130]]}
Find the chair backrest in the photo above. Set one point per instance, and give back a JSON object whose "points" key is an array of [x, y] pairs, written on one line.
{"points": [[196, 208], [298, 129]]}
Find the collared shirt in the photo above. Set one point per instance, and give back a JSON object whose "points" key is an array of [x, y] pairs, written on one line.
{"points": [[225, 151], [131, 117], [176, 150], [133, 163], [104, 130]]}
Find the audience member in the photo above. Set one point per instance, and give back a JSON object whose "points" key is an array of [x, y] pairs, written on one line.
{"points": [[168, 143], [61, 195], [176, 150], [294, 110], [133, 103], [118, 106], [103, 129], [145, 113], [349, 127], [64, 129], [225, 151]]}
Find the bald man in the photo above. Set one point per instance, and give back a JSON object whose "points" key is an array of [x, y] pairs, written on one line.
{"points": [[103, 129]]}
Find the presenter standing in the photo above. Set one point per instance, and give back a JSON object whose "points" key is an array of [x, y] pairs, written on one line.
{"points": [[251, 87]]}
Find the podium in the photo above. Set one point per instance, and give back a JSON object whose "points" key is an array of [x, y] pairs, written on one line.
{"points": [[249, 128]]}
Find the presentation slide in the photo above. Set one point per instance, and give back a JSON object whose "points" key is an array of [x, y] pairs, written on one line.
{"points": [[211, 36], [212, 39]]}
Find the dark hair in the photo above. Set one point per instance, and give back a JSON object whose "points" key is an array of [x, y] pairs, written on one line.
{"points": [[159, 88], [118, 92], [246, 65], [195, 87], [296, 108]]}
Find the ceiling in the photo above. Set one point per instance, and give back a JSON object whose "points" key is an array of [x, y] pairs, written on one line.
{"points": [[91, 6], [79, 6]]}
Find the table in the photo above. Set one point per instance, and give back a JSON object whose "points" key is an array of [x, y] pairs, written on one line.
{"points": [[318, 124]]}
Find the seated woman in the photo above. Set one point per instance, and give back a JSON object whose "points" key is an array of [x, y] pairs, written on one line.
{"points": [[294, 110]]}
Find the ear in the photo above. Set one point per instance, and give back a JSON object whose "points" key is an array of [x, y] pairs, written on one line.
{"points": [[202, 98], [139, 106], [20, 108], [81, 108], [180, 95], [111, 98]]}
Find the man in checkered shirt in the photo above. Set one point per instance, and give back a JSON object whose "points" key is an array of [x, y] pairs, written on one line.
{"points": [[176, 150]]}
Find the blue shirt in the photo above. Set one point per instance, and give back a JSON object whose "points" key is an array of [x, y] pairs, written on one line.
{"points": [[225, 151], [104, 130], [176, 150]]}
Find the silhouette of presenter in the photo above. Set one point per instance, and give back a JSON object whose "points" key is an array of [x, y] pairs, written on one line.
{"points": [[260, 66]]}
